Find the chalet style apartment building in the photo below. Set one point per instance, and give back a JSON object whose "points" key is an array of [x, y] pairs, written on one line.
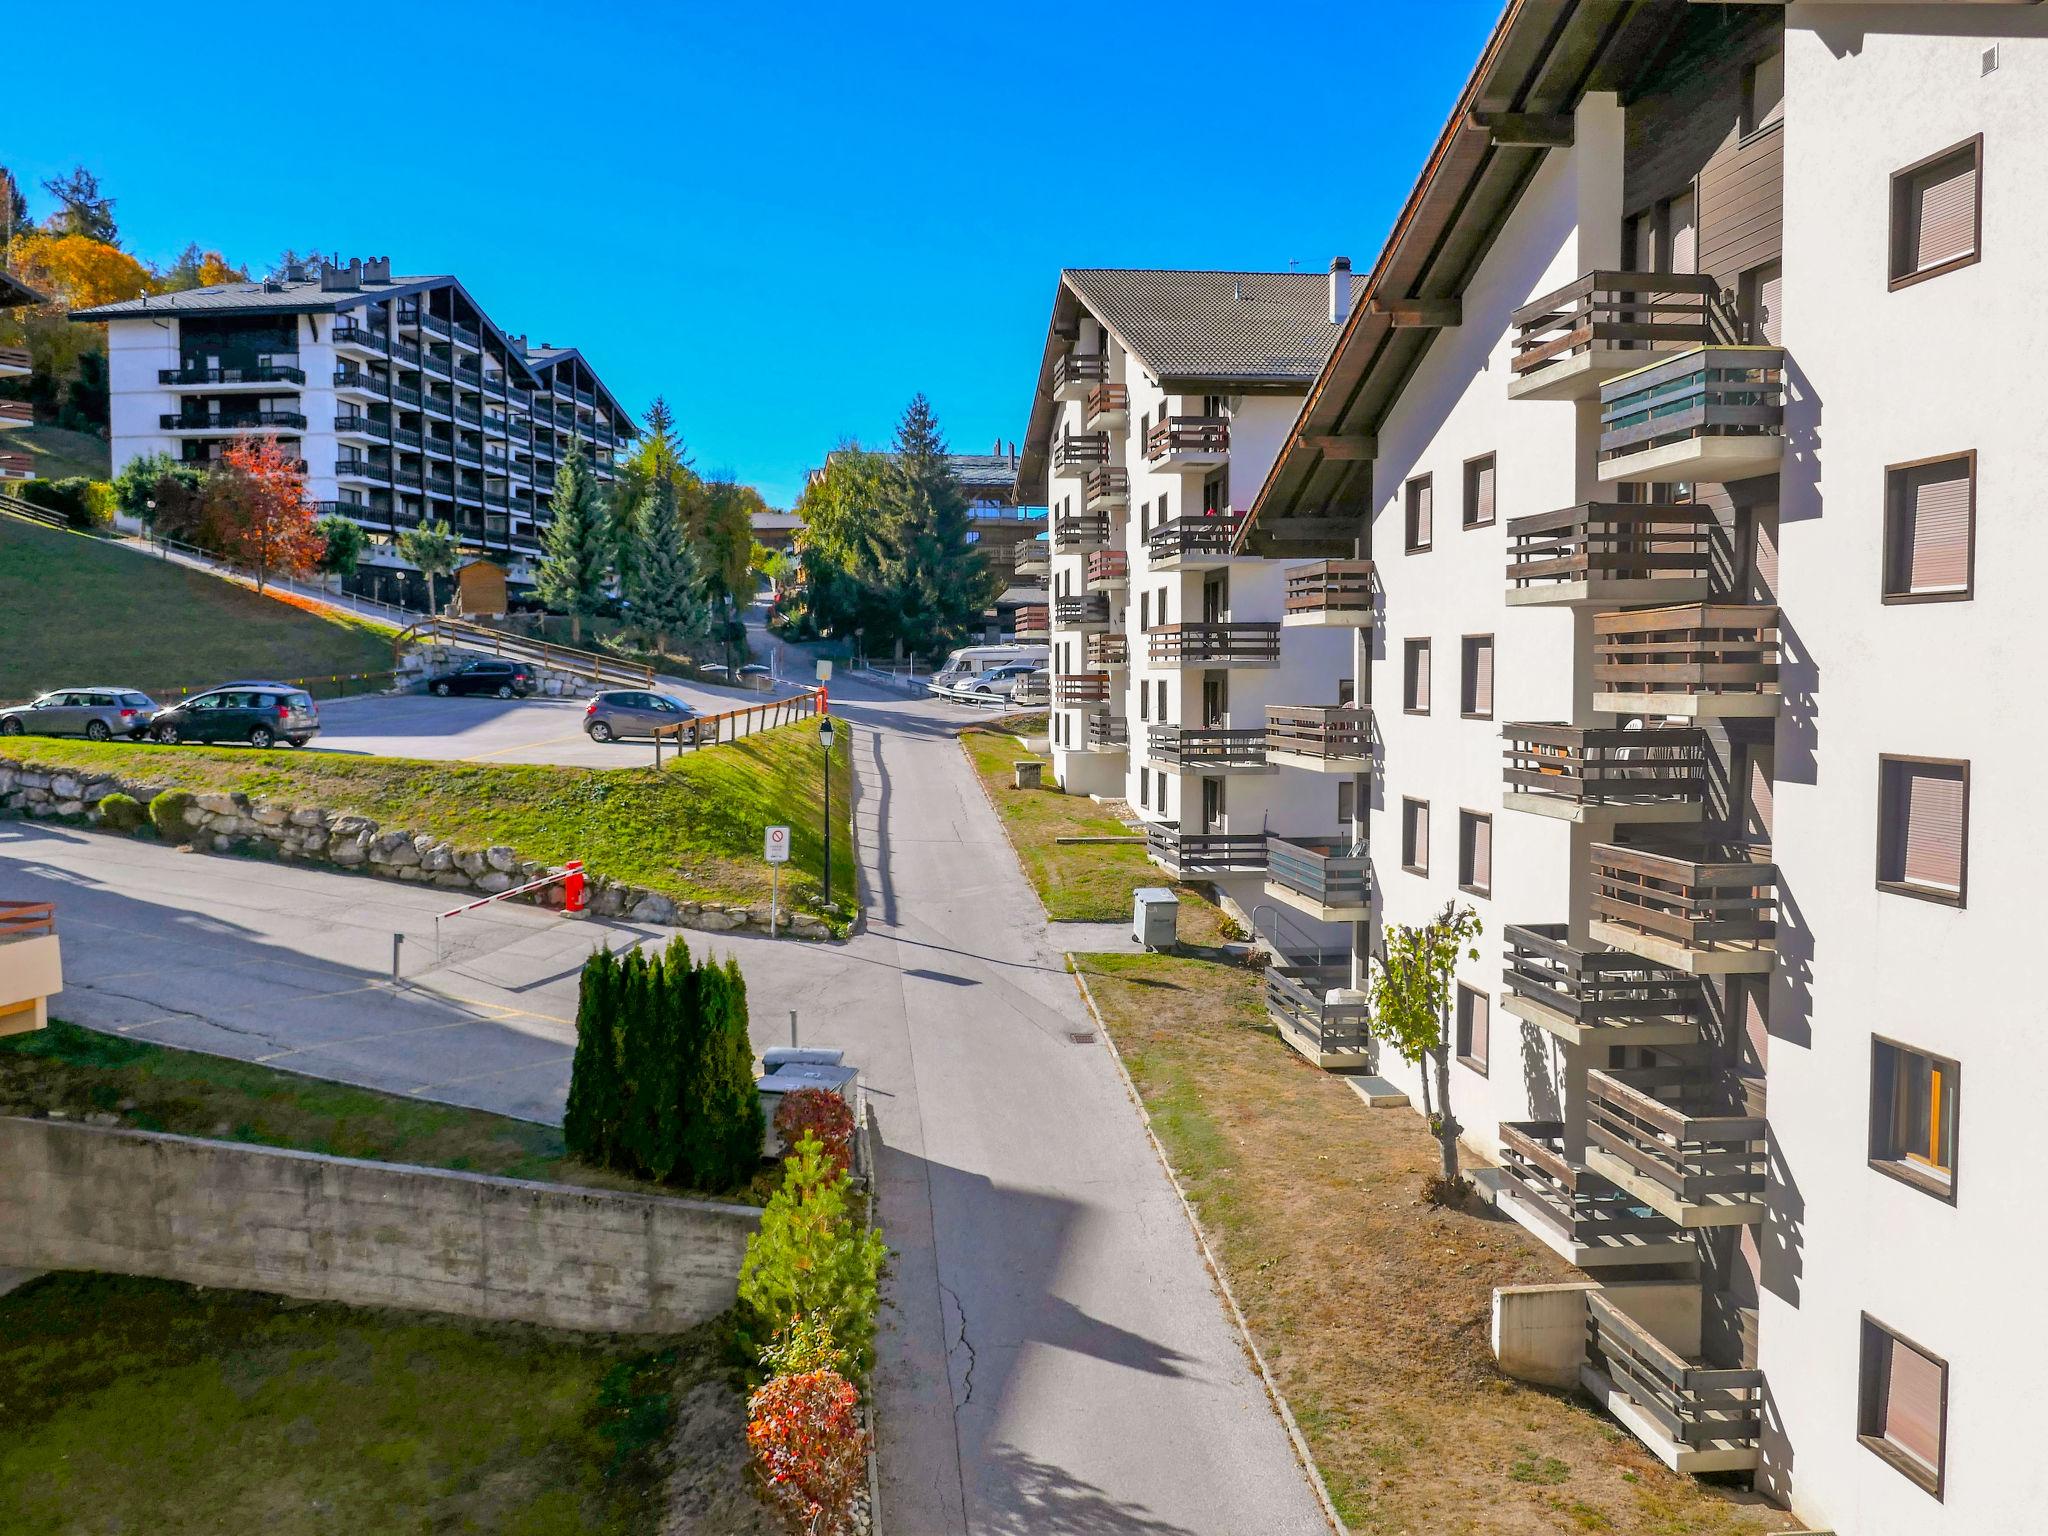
{"points": [[14, 364], [403, 399], [1668, 477]]}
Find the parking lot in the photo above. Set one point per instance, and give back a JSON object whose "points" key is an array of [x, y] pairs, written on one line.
{"points": [[485, 730]]}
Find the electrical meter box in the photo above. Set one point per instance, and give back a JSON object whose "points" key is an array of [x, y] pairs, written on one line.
{"points": [[1155, 917]]}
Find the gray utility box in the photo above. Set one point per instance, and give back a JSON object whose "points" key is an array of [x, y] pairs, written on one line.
{"points": [[1155, 917], [784, 1069]]}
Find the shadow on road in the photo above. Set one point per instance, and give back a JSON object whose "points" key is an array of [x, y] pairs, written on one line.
{"points": [[1045, 1501]]}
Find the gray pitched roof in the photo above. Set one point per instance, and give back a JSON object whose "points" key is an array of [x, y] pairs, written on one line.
{"points": [[1254, 327], [298, 298], [14, 291]]}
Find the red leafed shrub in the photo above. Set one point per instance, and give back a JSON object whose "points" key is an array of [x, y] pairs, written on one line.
{"points": [[820, 1113], [809, 1449]]}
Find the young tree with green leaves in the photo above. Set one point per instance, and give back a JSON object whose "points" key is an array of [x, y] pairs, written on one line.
{"points": [[812, 1258], [432, 551], [667, 587], [342, 542], [577, 556], [1410, 1009]]}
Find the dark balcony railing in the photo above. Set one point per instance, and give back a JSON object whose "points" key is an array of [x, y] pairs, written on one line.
{"points": [[1582, 765], [1191, 437], [1330, 732], [1078, 531], [1576, 1203], [1107, 566], [1108, 651], [1331, 587], [1106, 400], [1209, 533], [361, 380], [349, 334], [1617, 309], [357, 468], [1077, 451], [1108, 731], [1108, 486], [406, 437], [1706, 392], [1703, 903], [469, 414], [1597, 988], [1074, 368], [1214, 644], [1700, 649], [405, 394], [405, 352], [1081, 688], [232, 421], [1205, 853], [1088, 608], [1206, 746], [1297, 995], [1326, 870], [361, 425], [1671, 1127], [254, 373], [1697, 1405], [1597, 542]]}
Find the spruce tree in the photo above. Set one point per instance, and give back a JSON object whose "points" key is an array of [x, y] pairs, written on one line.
{"points": [[590, 1122], [668, 581], [571, 575], [934, 579]]}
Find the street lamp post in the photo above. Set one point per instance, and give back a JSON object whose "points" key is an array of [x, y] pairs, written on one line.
{"points": [[825, 741]]}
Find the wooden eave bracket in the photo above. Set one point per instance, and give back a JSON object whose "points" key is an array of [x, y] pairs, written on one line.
{"points": [[1418, 314], [1347, 448], [1525, 130]]}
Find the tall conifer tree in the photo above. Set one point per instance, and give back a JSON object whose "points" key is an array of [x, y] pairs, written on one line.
{"points": [[572, 572]]}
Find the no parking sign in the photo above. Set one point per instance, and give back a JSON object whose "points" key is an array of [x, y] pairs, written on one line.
{"points": [[777, 846]]}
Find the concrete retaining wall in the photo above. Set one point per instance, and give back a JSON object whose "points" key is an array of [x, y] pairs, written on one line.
{"points": [[1539, 1332], [378, 1234]]}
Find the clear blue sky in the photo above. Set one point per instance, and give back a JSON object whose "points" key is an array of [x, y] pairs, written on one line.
{"points": [[785, 218]]}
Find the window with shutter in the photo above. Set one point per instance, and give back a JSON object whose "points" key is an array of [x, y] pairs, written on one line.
{"points": [[1903, 1405], [1474, 1028], [1415, 836], [1419, 498], [1475, 852], [1930, 529], [1937, 209], [1475, 686], [1479, 492], [1923, 827], [1415, 677]]}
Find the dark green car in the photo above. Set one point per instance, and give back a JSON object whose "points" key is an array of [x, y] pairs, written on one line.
{"points": [[262, 714]]}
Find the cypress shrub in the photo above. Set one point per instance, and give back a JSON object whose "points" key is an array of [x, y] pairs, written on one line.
{"points": [[638, 1040], [664, 1075], [727, 1145], [590, 1122]]}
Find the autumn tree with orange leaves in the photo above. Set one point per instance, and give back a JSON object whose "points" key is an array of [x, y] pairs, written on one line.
{"points": [[255, 511]]}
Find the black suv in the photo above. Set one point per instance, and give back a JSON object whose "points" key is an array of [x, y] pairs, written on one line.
{"points": [[262, 714], [500, 679]]}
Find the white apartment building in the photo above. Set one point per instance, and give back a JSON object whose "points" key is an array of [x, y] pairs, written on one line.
{"points": [[404, 400], [1162, 399], [1688, 422]]}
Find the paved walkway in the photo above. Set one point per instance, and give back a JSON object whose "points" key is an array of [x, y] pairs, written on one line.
{"points": [[1055, 1357]]}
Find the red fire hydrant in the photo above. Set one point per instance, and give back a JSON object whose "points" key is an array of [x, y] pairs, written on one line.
{"points": [[572, 888]]}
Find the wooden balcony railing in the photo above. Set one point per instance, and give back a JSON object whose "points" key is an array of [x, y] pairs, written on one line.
{"points": [[1706, 392], [1103, 651], [1323, 869], [1573, 1201], [1034, 620], [1583, 765], [1078, 531], [26, 920], [1077, 451], [1205, 853], [1699, 902], [1666, 1125], [1208, 534], [1332, 733], [1696, 649], [1081, 688], [1108, 731], [1088, 608], [1204, 438], [1106, 401], [16, 413], [15, 360], [1598, 988], [1616, 309], [1109, 486], [17, 466], [1602, 542], [1331, 587], [1206, 746], [1072, 369], [1214, 644], [1698, 1406], [1296, 995], [1107, 567]]}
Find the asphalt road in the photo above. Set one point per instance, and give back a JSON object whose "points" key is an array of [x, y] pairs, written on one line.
{"points": [[1055, 1356]]}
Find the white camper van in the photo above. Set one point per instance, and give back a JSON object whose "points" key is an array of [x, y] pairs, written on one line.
{"points": [[970, 661]]}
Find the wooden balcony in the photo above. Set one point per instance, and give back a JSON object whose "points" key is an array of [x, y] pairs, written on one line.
{"points": [[1081, 690], [1694, 1417], [1034, 622], [1584, 1219], [1214, 645], [1597, 997], [1321, 738], [1078, 452], [1188, 442], [1331, 1032], [1320, 876], [1088, 611], [1702, 661], [1605, 777], [1106, 488], [1208, 749], [1569, 343], [31, 965], [1198, 542], [1108, 733], [1109, 407], [16, 413], [1609, 553], [1107, 652], [1187, 854], [1692, 1148], [1075, 373], [1079, 531], [1330, 593], [1107, 568], [1712, 413], [17, 466], [15, 362], [1034, 559], [1704, 911]]}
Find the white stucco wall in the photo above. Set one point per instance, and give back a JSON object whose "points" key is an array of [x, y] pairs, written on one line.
{"points": [[136, 351]]}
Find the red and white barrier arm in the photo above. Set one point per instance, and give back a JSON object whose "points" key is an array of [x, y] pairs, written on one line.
{"points": [[571, 874]]}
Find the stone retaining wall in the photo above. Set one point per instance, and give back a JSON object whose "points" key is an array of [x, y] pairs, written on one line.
{"points": [[423, 661], [232, 823], [369, 1234]]}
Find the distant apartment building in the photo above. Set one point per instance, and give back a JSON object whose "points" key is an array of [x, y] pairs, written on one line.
{"points": [[1162, 399], [404, 400], [1688, 424], [14, 364]]}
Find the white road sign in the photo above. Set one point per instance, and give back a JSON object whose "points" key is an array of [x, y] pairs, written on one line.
{"points": [[777, 850], [824, 671]]}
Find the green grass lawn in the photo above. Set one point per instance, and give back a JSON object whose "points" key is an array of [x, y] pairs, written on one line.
{"points": [[691, 830], [142, 1405], [59, 452], [76, 610]]}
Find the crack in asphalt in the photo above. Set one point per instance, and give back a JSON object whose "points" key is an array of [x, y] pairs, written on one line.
{"points": [[963, 1342]]}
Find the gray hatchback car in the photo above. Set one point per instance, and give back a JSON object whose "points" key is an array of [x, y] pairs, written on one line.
{"points": [[102, 714], [612, 715]]}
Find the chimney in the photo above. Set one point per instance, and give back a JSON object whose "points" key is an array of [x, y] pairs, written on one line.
{"points": [[1340, 289]]}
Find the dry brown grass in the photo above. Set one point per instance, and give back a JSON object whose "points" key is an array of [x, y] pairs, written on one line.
{"points": [[1371, 1308]]}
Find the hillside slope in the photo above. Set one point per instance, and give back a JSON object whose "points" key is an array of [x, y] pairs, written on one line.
{"points": [[74, 610], [58, 452]]}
